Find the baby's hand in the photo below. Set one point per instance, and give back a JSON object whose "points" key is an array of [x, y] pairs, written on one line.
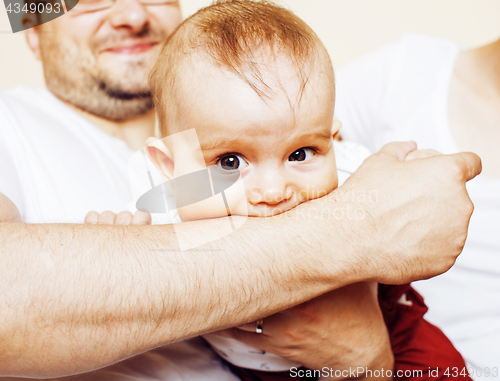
{"points": [[123, 218]]}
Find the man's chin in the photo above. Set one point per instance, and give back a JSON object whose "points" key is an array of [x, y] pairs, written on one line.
{"points": [[142, 59], [126, 88], [120, 71]]}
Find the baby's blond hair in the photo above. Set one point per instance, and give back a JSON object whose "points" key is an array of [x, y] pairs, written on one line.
{"points": [[230, 33]]}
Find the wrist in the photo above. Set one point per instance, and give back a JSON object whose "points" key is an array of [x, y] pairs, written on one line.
{"points": [[334, 228], [382, 369]]}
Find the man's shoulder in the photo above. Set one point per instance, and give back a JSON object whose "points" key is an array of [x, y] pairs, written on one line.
{"points": [[27, 111], [382, 94], [21, 101], [419, 43], [411, 51], [24, 95], [424, 56], [23, 109]]}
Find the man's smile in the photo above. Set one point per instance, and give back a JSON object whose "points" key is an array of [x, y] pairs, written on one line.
{"points": [[131, 47]]}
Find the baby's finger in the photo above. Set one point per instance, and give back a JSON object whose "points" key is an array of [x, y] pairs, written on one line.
{"points": [[107, 218], [124, 218], [141, 218], [92, 218]]}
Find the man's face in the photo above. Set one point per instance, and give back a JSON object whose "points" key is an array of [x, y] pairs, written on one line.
{"points": [[100, 61]]}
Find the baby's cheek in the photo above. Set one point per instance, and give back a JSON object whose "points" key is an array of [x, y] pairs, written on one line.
{"points": [[230, 201], [318, 184], [237, 198], [212, 207]]}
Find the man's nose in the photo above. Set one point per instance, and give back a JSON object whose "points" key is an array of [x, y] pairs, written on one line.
{"points": [[270, 188], [129, 14]]}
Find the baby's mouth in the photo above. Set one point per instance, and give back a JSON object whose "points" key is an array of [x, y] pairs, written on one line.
{"points": [[271, 210]]}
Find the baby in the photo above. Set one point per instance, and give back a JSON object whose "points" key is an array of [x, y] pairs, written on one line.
{"points": [[246, 88], [257, 86]]}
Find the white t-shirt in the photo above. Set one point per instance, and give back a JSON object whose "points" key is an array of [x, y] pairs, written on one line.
{"points": [[54, 164], [56, 167], [400, 93]]}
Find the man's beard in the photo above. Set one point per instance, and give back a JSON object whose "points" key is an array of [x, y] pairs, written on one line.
{"points": [[99, 90]]}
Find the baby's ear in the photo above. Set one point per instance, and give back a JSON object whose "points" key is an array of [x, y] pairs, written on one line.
{"points": [[162, 158], [336, 125]]}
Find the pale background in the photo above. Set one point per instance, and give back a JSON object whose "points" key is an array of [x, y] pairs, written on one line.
{"points": [[349, 28]]}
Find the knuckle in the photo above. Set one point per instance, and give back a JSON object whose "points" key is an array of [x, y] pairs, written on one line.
{"points": [[465, 206], [469, 208], [461, 238], [291, 336], [454, 170]]}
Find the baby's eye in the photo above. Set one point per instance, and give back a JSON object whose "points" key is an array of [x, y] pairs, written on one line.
{"points": [[301, 154], [232, 162]]}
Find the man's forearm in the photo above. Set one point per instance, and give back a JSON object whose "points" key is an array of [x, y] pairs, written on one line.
{"points": [[77, 297], [73, 297]]}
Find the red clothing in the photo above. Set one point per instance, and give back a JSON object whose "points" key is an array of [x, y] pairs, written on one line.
{"points": [[417, 345]]}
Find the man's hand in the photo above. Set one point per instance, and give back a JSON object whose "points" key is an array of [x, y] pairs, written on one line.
{"points": [[405, 220], [341, 329]]}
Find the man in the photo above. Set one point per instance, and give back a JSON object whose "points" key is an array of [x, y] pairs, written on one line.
{"points": [[77, 297], [446, 99]]}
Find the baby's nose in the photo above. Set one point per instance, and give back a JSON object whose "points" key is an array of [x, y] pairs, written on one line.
{"points": [[272, 190]]}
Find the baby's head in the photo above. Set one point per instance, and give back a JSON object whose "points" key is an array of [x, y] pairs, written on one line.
{"points": [[257, 86]]}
